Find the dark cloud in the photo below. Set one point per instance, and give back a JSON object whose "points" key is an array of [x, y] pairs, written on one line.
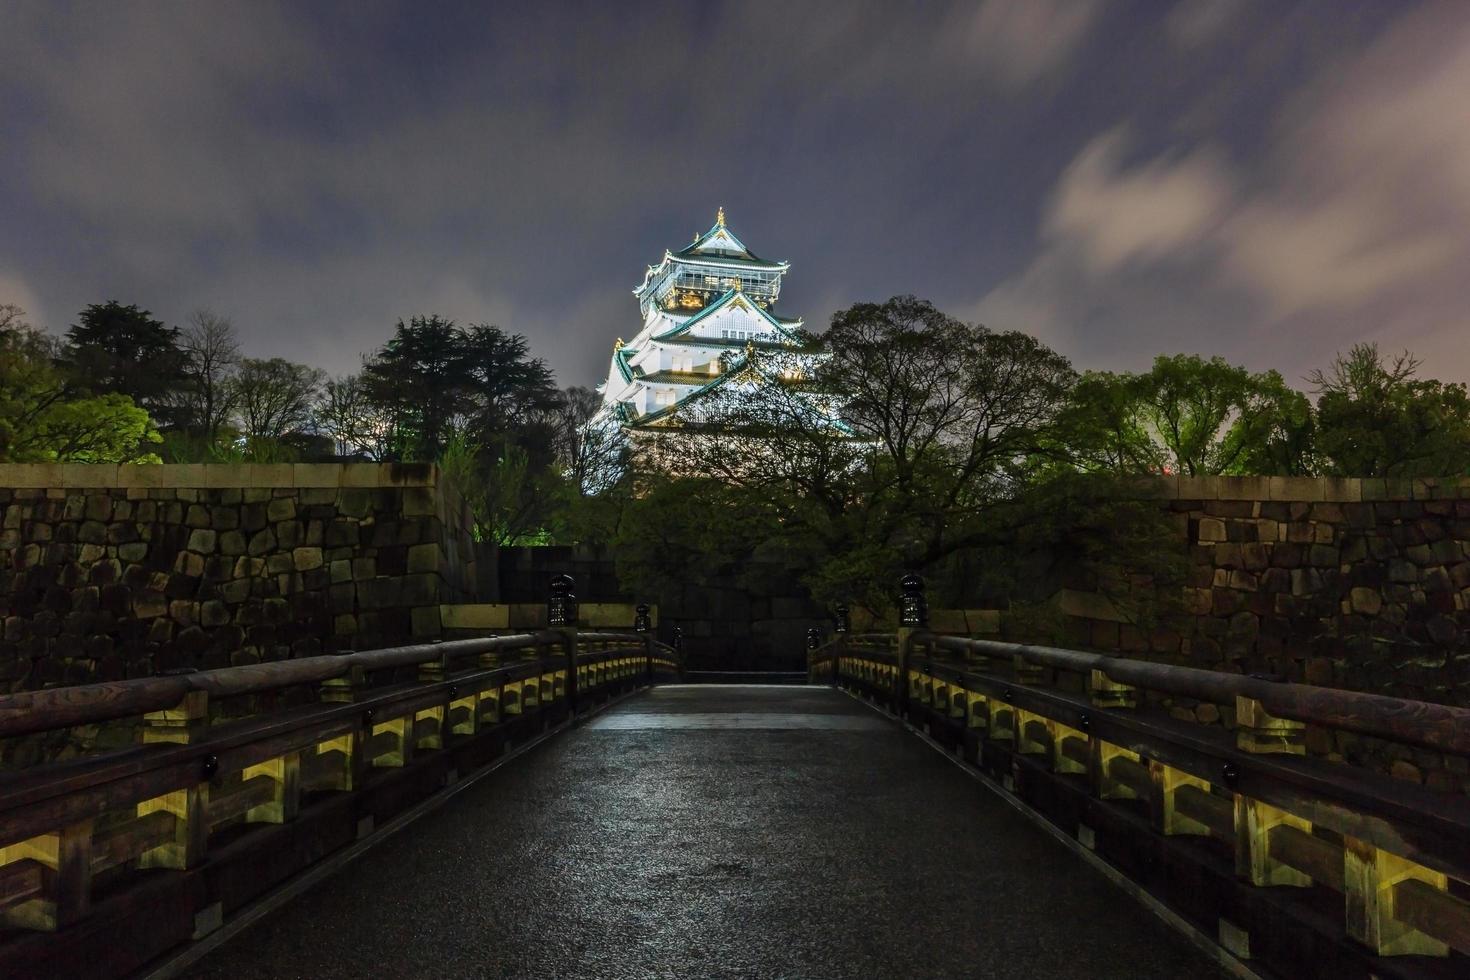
{"points": [[1087, 171]]}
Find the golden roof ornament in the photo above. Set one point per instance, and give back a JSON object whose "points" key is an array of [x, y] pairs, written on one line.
{"points": [[720, 216], [618, 345]]}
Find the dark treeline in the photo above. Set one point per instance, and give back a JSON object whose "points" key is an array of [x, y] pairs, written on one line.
{"points": [[985, 461], [122, 386], [916, 441]]}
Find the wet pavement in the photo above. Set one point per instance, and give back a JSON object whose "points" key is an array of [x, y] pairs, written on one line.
{"points": [[706, 831]]}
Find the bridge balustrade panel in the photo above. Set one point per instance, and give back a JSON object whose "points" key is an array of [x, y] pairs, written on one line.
{"points": [[1218, 822], [245, 776]]}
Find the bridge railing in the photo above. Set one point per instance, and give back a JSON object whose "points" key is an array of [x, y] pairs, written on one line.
{"points": [[1071, 733], [236, 802]]}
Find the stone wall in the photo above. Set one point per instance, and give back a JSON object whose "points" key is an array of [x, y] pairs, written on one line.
{"points": [[108, 571], [1361, 584], [725, 626]]}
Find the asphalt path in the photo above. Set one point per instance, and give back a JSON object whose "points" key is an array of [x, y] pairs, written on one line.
{"points": [[718, 831]]}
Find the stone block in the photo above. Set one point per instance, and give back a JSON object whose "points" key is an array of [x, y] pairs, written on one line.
{"points": [[167, 476], [306, 558], [202, 540], [273, 475], [1242, 488], [425, 622], [222, 475], [423, 558], [479, 616], [1197, 488], [316, 474], [354, 502], [280, 509], [1295, 488], [1342, 489], [360, 475], [86, 475], [1365, 601], [419, 590], [262, 543], [406, 474], [419, 502]]}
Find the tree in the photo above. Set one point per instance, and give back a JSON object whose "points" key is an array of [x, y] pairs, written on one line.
{"points": [[891, 444], [211, 357], [955, 414], [44, 418], [122, 349], [274, 399], [418, 379], [1376, 417], [507, 388], [590, 456], [357, 425], [1101, 429], [1191, 416]]}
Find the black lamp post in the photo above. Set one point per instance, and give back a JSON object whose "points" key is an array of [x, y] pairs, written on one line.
{"points": [[641, 622], [913, 609], [561, 605], [813, 638], [841, 623]]}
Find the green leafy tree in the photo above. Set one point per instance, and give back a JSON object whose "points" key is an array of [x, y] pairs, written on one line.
{"points": [[1192, 416], [1376, 417], [273, 404], [898, 450], [124, 350], [358, 426], [45, 418], [435, 380]]}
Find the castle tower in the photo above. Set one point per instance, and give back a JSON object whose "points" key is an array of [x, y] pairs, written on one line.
{"points": [[705, 308]]}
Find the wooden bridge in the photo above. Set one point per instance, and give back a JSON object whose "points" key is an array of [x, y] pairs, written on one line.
{"points": [[567, 808]]}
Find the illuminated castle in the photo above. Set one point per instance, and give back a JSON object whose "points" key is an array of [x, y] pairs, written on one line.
{"points": [[707, 309]]}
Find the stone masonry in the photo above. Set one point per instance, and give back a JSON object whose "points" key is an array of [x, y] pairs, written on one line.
{"points": [[1361, 584], [109, 572]]}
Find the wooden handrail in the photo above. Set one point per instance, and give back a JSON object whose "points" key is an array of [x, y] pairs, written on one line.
{"points": [[28, 712], [1395, 851], [1435, 726]]}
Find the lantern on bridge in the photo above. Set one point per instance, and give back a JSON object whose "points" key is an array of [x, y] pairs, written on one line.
{"points": [[841, 623], [561, 606], [813, 638], [913, 609], [641, 622], [678, 643]]}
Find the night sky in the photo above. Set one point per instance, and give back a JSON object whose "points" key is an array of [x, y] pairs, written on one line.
{"points": [[1270, 181]]}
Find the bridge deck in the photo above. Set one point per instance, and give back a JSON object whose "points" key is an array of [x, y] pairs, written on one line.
{"points": [[698, 831]]}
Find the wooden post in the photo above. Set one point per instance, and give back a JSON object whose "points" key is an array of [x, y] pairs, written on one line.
{"points": [[1370, 876], [182, 725], [977, 710], [1063, 739], [1260, 732], [430, 725], [1104, 692], [1105, 783], [1254, 861], [1167, 781], [65, 858], [345, 690], [901, 675], [569, 648], [1028, 673], [285, 772]]}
